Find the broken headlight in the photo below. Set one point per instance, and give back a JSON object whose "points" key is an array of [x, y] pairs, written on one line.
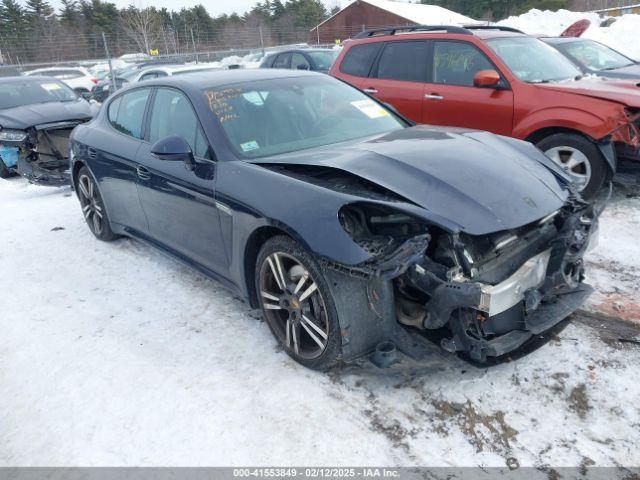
{"points": [[12, 135]]}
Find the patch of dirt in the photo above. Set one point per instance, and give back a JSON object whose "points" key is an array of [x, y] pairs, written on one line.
{"points": [[560, 382], [490, 432], [579, 401], [615, 332], [390, 428]]}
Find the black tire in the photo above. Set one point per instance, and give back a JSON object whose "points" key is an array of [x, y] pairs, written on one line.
{"points": [[92, 205], [599, 171], [290, 251], [4, 171]]}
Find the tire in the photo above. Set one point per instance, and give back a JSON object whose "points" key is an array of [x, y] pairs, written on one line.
{"points": [[93, 210], [4, 171], [294, 315], [589, 170]]}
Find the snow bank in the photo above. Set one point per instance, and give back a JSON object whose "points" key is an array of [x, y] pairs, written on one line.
{"points": [[622, 35]]}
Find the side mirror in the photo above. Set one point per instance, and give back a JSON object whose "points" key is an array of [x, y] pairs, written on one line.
{"points": [[486, 79], [173, 148]]}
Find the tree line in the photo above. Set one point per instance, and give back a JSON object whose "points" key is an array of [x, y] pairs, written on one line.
{"points": [[36, 32]]}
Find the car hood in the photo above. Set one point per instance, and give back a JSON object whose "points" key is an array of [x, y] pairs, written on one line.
{"points": [[27, 116], [631, 72], [476, 181], [626, 92]]}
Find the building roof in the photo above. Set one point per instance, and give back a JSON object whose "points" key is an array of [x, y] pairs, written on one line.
{"points": [[421, 14]]}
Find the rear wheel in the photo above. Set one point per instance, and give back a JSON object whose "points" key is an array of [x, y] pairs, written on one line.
{"points": [[93, 207], [297, 304], [580, 158]]}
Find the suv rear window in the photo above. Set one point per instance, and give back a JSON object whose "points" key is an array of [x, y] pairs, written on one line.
{"points": [[406, 61], [358, 59]]}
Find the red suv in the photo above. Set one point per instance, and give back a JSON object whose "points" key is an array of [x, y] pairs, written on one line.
{"points": [[501, 80]]}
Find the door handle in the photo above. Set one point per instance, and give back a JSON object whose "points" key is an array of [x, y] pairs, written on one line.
{"points": [[143, 173], [92, 152], [433, 96], [370, 90]]}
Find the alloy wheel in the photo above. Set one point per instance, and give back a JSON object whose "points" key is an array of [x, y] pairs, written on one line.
{"points": [[574, 163], [293, 305], [91, 205]]}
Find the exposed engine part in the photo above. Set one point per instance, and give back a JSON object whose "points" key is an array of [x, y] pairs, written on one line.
{"points": [[493, 293], [43, 155]]}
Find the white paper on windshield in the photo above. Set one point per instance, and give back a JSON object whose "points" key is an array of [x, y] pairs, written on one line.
{"points": [[248, 146], [50, 87], [370, 108]]}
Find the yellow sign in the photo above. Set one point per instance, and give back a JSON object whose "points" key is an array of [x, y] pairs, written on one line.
{"points": [[154, 52]]}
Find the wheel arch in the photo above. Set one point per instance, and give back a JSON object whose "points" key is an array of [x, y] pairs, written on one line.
{"points": [[77, 165], [542, 133], [252, 247]]}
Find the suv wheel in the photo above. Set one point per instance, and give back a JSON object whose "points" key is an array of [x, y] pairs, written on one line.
{"points": [[297, 304], [580, 158]]}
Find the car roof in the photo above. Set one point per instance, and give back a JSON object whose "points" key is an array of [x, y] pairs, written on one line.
{"points": [[483, 32], [562, 39], [219, 78], [48, 69], [26, 78]]}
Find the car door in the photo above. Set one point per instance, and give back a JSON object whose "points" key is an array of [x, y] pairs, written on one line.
{"points": [[179, 201], [399, 76], [452, 99], [112, 158]]}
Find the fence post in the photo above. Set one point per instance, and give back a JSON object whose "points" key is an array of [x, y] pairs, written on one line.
{"points": [[111, 73], [194, 46], [261, 40], [318, 34]]}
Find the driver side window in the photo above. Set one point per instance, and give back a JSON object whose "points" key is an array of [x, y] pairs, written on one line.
{"points": [[172, 114], [456, 63]]}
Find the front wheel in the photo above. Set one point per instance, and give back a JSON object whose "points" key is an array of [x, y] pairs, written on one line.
{"points": [[297, 304], [93, 207], [580, 158]]}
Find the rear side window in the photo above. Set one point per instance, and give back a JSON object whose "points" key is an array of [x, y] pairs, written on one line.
{"points": [[358, 59], [456, 63], [282, 61], [126, 113], [406, 61]]}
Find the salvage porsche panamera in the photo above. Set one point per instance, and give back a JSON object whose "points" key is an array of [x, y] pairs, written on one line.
{"points": [[347, 226]]}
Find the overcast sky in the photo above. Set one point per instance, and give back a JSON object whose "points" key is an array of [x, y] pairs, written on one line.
{"points": [[215, 7]]}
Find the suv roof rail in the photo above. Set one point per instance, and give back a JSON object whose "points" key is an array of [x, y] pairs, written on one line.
{"points": [[493, 27], [413, 28]]}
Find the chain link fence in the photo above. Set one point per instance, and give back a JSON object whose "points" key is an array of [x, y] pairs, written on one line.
{"points": [[167, 45]]}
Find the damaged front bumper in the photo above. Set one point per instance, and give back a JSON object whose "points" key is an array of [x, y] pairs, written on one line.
{"points": [[42, 157], [492, 319]]}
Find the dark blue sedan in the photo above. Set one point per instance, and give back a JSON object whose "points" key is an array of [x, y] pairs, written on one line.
{"points": [[353, 231]]}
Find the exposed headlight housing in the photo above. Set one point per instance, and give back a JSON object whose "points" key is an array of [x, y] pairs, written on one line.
{"points": [[12, 135]]}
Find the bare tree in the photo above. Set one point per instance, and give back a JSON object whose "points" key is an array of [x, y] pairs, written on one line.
{"points": [[143, 26]]}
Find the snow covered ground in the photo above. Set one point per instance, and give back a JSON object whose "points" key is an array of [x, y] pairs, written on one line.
{"points": [[622, 35], [112, 354]]}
